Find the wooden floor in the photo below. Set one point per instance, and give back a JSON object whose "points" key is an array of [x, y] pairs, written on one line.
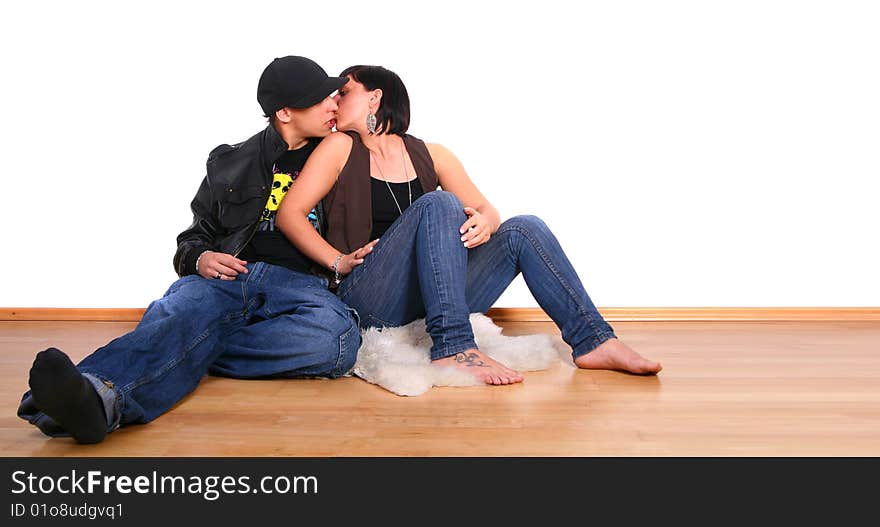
{"points": [[727, 389]]}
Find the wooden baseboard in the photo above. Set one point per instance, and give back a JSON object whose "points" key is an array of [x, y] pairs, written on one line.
{"points": [[523, 314], [72, 314], [703, 314]]}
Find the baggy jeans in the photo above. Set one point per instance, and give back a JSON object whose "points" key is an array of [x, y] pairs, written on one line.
{"points": [[272, 322]]}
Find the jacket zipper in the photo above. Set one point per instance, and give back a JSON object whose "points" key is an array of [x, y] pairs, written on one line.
{"points": [[253, 231], [255, 227]]}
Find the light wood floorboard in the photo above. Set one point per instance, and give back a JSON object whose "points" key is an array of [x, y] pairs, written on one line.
{"points": [[728, 389]]}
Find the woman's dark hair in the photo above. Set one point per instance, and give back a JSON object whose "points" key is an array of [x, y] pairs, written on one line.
{"points": [[393, 114]]}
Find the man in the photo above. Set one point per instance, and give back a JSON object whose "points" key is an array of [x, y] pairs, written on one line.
{"points": [[246, 305]]}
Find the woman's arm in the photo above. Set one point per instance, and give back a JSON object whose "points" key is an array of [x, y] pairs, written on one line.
{"points": [[483, 218], [314, 182]]}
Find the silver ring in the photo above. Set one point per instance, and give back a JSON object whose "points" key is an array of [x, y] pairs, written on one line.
{"points": [[218, 275]]}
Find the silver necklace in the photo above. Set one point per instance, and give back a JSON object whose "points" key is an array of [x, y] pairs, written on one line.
{"points": [[405, 174]]}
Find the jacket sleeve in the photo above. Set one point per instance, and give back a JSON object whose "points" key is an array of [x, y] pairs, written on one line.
{"points": [[201, 235]]}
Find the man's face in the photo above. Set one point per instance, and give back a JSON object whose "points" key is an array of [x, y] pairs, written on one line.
{"points": [[317, 120]]}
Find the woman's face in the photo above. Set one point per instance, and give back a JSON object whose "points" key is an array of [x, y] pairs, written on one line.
{"points": [[355, 103]]}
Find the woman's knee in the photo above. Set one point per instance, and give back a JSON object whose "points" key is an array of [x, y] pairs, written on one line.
{"points": [[527, 224], [440, 199]]}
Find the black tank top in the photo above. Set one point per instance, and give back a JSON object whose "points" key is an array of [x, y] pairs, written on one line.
{"points": [[384, 207]]}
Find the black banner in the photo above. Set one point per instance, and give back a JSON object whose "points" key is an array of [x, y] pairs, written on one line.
{"points": [[241, 491]]}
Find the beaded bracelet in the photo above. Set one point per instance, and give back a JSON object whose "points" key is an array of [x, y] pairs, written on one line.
{"points": [[335, 267], [199, 258]]}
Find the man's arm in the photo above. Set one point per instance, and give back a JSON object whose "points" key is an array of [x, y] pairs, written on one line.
{"points": [[200, 236]]}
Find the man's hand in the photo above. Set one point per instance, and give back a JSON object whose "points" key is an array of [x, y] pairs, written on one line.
{"points": [[220, 266]]}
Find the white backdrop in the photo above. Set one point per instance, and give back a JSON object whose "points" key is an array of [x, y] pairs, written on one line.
{"points": [[686, 153]]}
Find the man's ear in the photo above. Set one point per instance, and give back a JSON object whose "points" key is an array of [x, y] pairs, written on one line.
{"points": [[284, 115]]}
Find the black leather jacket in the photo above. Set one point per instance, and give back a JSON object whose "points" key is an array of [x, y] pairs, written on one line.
{"points": [[231, 198]]}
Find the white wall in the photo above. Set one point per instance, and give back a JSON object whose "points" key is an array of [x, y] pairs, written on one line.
{"points": [[686, 153]]}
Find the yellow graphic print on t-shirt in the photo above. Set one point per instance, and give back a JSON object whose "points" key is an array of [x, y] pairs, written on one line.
{"points": [[281, 183]]}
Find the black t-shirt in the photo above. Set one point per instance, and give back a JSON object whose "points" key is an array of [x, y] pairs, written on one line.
{"points": [[384, 207], [268, 243]]}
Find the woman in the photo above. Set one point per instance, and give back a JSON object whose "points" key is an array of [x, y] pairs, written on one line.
{"points": [[437, 254]]}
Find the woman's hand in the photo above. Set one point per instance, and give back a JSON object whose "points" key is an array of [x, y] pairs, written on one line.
{"points": [[353, 259], [476, 230]]}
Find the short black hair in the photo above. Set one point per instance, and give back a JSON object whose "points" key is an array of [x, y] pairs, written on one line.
{"points": [[393, 114]]}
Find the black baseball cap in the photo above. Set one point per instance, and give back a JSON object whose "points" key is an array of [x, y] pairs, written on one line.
{"points": [[295, 82]]}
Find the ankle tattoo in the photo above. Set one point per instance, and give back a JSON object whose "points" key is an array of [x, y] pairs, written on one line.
{"points": [[470, 360]]}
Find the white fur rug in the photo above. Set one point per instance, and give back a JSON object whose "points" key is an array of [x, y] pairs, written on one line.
{"points": [[399, 359]]}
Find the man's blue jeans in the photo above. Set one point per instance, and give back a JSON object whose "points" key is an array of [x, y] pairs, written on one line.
{"points": [[420, 268], [271, 322]]}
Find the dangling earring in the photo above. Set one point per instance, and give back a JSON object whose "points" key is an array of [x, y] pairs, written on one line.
{"points": [[371, 123]]}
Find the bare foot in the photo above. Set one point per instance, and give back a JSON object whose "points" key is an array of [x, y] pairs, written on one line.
{"points": [[615, 355], [481, 366]]}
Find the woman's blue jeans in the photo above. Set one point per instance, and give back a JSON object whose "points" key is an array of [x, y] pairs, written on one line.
{"points": [[420, 268], [271, 322]]}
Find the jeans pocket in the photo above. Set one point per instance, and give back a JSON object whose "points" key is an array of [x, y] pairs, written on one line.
{"points": [[349, 344], [355, 315]]}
